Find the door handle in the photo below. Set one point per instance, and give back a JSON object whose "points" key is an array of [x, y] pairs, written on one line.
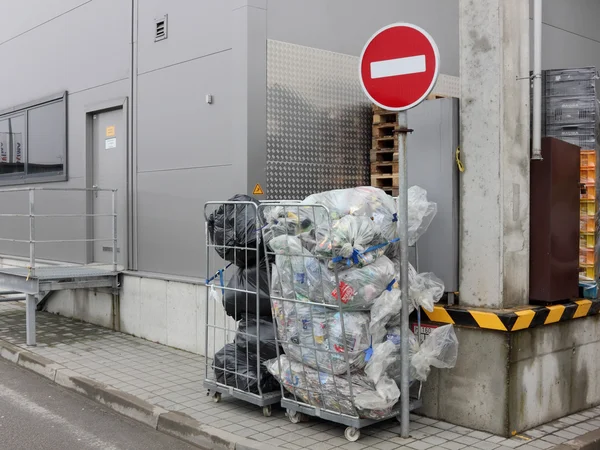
{"points": [[95, 187]]}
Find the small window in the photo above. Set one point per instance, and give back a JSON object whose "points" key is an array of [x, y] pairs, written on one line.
{"points": [[160, 29], [12, 146], [33, 143]]}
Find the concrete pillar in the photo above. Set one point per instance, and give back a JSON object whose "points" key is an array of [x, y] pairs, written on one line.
{"points": [[494, 54]]}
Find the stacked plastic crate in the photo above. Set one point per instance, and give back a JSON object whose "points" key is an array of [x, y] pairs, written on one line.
{"points": [[572, 116]]}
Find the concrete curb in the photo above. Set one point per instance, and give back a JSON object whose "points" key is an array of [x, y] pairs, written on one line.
{"points": [[589, 441], [172, 423]]}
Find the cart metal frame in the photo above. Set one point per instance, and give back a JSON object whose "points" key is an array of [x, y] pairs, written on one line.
{"points": [[224, 330], [297, 409]]}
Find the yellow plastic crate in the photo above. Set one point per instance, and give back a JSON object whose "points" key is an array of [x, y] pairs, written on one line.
{"points": [[587, 174], [588, 158], [587, 208], [587, 240], [590, 192], [586, 256], [587, 224], [589, 270]]}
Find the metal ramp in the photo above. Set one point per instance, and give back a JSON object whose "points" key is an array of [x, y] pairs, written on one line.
{"points": [[35, 282]]}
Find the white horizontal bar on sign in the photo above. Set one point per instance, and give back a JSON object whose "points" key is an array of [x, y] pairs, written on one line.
{"points": [[398, 66]]}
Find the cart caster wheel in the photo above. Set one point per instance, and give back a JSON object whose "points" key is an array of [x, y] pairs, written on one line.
{"points": [[352, 434], [294, 416], [217, 397], [267, 411]]}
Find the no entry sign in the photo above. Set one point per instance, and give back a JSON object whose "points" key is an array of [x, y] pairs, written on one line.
{"points": [[399, 66]]}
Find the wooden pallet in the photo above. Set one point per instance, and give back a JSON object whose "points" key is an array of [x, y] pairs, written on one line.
{"points": [[387, 181], [384, 168], [385, 117], [383, 155], [391, 191], [385, 143]]}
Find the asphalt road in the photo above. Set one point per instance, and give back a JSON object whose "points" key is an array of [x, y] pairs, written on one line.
{"points": [[36, 414]]}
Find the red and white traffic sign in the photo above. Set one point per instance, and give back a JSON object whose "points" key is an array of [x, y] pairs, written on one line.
{"points": [[399, 66]]}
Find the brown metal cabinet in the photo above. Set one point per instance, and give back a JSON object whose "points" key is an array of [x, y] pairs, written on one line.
{"points": [[554, 256]]}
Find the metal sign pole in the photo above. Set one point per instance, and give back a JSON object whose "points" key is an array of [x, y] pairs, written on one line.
{"points": [[403, 276]]}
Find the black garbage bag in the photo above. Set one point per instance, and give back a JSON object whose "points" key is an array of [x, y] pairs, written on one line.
{"points": [[247, 332], [236, 368], [237, 303], [235, 226]]}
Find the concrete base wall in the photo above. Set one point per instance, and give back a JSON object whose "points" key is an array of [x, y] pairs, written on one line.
{"points": [[511, 382]]}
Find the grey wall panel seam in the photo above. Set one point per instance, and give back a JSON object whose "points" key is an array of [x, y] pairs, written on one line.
{"points": [[248, 6], [184, 168], [183, 62], [98, 86], [44, 23], [570, 32]]}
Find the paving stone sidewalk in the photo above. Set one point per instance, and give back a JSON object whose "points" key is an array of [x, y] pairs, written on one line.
{"points": [[172, 379]]}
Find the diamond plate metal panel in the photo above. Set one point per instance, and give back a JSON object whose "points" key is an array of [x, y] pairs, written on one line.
{"points": [[318, 122]]}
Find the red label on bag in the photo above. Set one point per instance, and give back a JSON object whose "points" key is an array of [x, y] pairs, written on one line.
{"points": [[346, 290]]}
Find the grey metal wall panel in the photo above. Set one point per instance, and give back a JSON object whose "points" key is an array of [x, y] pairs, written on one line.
{"points": [[84, 48], [432, 165], [20, 17], [562, 49], [574, 16], [171, 217], [345, 25], [318, 122], [176, 127], [195, 29]]}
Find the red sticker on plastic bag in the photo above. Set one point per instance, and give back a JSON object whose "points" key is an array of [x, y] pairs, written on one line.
{"points": [[346, 290]]}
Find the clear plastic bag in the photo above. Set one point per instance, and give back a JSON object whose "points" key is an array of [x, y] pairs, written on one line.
{"points": [[424, 289], [440, 350], [332, 392], [394, 369], [383, 356], [280, 221], [293, 263], [420, 213], [315, 337], [302, 276], [350, 236], [359, 287], [384, 398], [365, 201], [385, 307]]}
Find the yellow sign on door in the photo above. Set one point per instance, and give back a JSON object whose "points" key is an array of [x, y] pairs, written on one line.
{"points": [[258, 190], [110, 131]]}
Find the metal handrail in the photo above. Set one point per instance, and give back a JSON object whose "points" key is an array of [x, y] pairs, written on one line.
{"points": [[32, 216]]}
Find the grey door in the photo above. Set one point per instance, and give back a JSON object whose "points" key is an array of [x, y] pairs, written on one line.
{"points": [[109, 171], [432, 165]]}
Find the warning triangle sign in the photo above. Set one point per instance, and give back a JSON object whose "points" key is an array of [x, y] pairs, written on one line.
{"points": [[258, 190]]}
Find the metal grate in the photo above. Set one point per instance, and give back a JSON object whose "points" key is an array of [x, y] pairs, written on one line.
{"points": [[160, 29]]}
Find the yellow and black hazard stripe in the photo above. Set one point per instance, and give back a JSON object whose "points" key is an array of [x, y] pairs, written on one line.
{"points": [[514, 319]]}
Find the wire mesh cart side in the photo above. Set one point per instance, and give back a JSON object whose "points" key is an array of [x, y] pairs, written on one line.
{"points": [[324, 294], [238, 335]]}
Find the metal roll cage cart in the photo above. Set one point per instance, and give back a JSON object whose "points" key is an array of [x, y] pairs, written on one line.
{"points": [[313, 389], [241, 378]]}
